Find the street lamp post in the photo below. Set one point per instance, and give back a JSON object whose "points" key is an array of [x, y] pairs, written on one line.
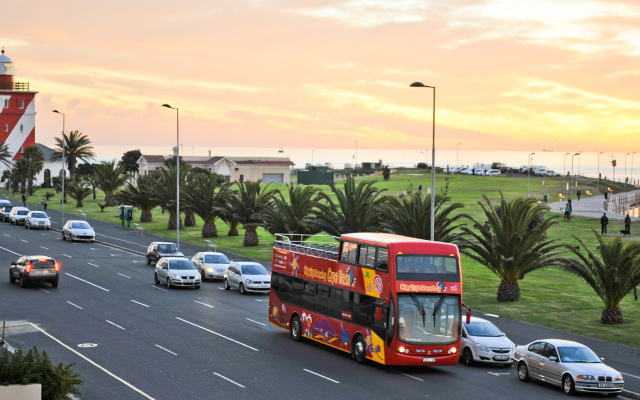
{"points": [[632, 167], [564, 172], [577, 154], [529, 174], [177, 172], [598, 181], [356, 160], [625, 170], [458, 154], [63, 146], [579, 160], [433, 158]]}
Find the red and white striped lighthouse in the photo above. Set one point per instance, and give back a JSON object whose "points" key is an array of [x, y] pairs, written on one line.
{"points": [[17, 111]]}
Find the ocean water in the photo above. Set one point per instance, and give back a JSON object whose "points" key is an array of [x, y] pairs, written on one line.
{"points": [[585, 163]]}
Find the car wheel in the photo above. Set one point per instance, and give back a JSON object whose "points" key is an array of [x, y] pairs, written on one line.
{"points": [[241, 289], [148, 261], [202, 276], [197, 287], [226, 284], [11, 277], [359, 350], [523, 372], [613, 394], [23, 282], [155, 278], [168, 283], [467, 356], [296, 329], [25, 226], [54, 284], [568, 386], [63, 236]]}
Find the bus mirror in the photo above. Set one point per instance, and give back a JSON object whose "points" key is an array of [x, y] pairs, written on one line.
{"points": [[378, 313], [468, 317]]}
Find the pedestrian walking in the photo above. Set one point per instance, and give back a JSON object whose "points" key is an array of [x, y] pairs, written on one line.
{"points": [[579, 192], [567, 211], [43, 204], [604, 221], [627, 224], [487, 226], [24, 200]]}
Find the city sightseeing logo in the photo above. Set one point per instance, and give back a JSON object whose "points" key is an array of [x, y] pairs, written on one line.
{"points": [[442, 286]]}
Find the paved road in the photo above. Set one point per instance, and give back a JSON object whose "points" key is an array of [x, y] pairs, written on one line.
{"points": [[132, 339]]}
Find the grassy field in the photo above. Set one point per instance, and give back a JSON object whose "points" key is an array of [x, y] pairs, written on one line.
{"points": [[549, 297]]}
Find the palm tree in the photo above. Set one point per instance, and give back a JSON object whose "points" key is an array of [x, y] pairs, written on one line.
{"points": [[248, 207], [35, 160], [411, 216], [140, 195], [206, 197], [77, 146], [357, 210], [5, 155], [516, 244], [109, 177], [294, 215], [612, 274], [78, 192], [165, 186]]}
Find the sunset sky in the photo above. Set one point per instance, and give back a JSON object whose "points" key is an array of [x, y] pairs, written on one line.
{"points": [[510, 75]]}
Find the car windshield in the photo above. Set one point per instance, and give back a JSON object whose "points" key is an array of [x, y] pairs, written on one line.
{"points": [[428, 318], [181, 264], [23, 212], [167, 248], [216, 259], [39, 215], [254, 269], [422, 267], [80, 225], [483, 328], [7, 208], [578, 355]]}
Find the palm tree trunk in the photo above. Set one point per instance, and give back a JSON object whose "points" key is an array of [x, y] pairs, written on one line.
{"points": [[250, 237], [209, 229], [172, 222], [233, 230], [612, 315], [508, 291], [110, 200], [189, 219], [146, 216]]}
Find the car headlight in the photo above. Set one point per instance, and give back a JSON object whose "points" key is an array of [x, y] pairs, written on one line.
{"points": [[249, 281], [209, 269], [482, 347], [619, 379], [586, 377], [175, 276]]}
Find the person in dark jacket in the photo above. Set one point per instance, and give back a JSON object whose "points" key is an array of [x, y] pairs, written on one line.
{"points": [[627, 224], [579, 192], [604, 221]]}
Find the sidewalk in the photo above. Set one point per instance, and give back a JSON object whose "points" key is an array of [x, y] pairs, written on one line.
{"points": [[591, 206]]}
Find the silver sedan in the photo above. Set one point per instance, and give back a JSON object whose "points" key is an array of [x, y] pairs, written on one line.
{"points": [[570, 365], [177, 271]]}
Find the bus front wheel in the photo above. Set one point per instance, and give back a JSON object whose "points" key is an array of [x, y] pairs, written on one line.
{"points": [[296, 329], [359, 350]]}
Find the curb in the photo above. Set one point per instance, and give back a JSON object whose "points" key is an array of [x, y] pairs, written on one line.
{"points": [[631, 395]]}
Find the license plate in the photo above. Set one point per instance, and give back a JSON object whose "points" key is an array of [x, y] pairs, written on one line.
{"points": [[41, 223], [501, 358], [40, 272], [428, 359], [605, 385], [263, 286]]}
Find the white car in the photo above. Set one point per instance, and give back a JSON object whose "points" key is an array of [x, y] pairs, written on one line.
{"points": [[551, 173], [483, 342], [211, 264], [177, 271], [37, 219], [78, 230], [17, 215], [247, 277], [570, 365], [492, 172]]}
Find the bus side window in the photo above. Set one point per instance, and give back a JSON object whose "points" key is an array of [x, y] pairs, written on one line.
{"points": [[309, 295], [322, 299], [296, 292], [335, 302], [349, 252], [382, 259]]}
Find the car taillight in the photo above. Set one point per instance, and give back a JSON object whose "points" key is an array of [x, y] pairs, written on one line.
{"points": [[57, 267], [29, 267]]}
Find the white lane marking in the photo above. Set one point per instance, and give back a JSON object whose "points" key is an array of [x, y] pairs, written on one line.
{"points": [[142, 304], [46, 291], [261, 300], [499, 373], [92, 284], [492, 315], [114, 324], [7, 235], [407, 375], [204, 304], [11, 251], [321, 376], [624, 373], [167, 350], [221, 288], [93, 265], [138, 261], [24, 241], [228, 380], [95, 364], [122, 240], [216, 333], [66, 255], [113, 255], [75, 305], [42, 247], [259, 323], [155, 287], [126, 276]]}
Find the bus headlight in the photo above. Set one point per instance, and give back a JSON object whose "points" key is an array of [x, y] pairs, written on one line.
{"points": [[401, 349], [452, 350]]}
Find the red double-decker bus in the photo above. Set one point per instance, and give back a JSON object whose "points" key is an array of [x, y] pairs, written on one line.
{"points": [[387, 298]]}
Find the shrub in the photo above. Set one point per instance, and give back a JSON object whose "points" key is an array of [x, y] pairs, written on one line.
{"points": [[33, 367]]}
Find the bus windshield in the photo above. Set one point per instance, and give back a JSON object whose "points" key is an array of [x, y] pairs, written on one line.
{"points": [[428, 318], [422, 267]]}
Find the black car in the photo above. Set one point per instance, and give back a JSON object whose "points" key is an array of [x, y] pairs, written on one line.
{"points": [[4, 213], [157, 250], [35, 269]]}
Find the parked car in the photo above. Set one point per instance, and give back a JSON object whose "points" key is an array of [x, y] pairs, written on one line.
{"points": [[177, 271], [247, 277], [483, 342], [492, 172], [570, 365], [4, 213], [419, 166], [34, 269], [17, 215], [4, 202], [37, 219], [78, 230], [551, 173], [211, 264], [157, 250]]}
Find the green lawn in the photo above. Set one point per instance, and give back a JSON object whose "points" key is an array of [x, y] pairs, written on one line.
{"points": [[549, 297]]}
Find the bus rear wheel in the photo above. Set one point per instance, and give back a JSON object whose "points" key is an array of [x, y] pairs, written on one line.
{"points": [[296, 329], [359, 350]]}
